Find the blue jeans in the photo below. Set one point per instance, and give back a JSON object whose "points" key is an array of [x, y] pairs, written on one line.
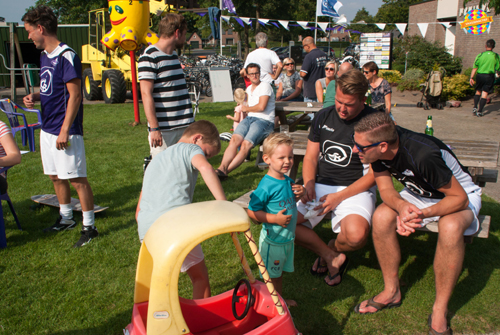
{"points": [[306, 99], [254, 130]]}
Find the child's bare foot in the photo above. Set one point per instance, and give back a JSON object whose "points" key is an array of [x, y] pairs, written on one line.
{"points": [[291, 303]]}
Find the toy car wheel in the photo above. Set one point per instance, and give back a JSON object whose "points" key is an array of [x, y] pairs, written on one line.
{"points": [[426, 106], [249, 299]]}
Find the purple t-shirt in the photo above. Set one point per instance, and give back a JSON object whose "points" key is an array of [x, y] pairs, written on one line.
{"points": [[58, 68]]}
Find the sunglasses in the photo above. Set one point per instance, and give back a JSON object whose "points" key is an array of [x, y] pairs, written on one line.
{"points": [[289, 64], [366, 72], [362, 148], [329, 69]]}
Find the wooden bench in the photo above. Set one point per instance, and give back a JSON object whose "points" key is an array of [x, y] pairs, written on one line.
{"points": [[484, 220]]}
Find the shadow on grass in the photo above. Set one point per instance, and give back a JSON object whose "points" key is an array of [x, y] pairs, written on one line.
{"points": [[116, 322]]}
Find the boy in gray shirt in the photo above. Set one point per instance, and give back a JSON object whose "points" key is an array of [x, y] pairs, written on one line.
{"points": [[169, 183]]}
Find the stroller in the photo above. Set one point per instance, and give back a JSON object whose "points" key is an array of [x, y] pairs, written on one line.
{"points": [[432, 89]]}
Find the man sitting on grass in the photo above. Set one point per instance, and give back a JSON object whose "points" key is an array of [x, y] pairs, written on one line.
{"points": [[169, 183], [437, 187]]}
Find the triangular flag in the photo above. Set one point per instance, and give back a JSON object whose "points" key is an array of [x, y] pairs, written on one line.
{"points": [[264, 21], [275, 24], [228, 4], [380, 26], [401, 27], [225, 18], [284, 24], [245, 19], [446, 25], [423, 28], [323, 25], [342, 20], [303, 24], [239, 21]]}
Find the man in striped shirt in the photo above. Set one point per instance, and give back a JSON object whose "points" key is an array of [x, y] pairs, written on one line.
{"points": [[163, 86]]}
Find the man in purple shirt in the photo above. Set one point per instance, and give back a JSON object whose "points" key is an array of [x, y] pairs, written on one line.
{"points": [[61, 137]]}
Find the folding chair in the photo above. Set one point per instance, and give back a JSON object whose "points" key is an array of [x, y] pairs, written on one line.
{"points": [[194, 94], [27, 129], [5, 196]]}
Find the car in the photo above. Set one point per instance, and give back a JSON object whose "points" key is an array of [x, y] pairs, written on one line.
{"points": [[252, 308]]}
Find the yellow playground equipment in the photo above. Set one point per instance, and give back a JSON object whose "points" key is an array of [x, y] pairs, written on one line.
{"points": [[254, 308], [107, 70]]}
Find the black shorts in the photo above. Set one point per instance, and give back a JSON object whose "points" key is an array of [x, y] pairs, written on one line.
{"points": [[484, 82]]}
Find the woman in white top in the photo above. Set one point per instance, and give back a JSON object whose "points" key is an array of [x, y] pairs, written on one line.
{"points": [[331, 69]]}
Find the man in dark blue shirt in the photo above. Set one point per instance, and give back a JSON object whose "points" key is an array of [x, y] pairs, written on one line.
{"points": [[61, 137]]}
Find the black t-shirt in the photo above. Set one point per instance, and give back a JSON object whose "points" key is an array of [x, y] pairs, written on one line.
{"points": [[337, 165], [314, 64], [423, 164]]}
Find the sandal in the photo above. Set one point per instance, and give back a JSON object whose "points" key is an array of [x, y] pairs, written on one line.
{"points": [[377, 305], [448, 330], [319, 267], [222, 176], [342, 270]]}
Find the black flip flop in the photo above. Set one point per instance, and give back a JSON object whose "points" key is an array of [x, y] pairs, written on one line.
{"points": [[320, 266], [377, 305], [222, 176], [340, 274]]}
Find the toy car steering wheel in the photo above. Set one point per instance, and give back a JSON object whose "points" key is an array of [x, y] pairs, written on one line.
{"points": [[249, 299]]}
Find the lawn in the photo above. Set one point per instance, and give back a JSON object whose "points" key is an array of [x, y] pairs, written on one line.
{"points": [[50, 288]]}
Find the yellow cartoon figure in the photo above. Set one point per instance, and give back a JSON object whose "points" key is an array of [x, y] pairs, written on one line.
{"points": [[130, 20]]}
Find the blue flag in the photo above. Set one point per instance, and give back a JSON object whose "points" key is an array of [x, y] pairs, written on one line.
{"points": [[328, 8]]}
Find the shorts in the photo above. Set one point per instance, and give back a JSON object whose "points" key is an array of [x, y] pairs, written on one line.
{"points": [[485, 81], [362, 204], [194, 257], [65, 164], [170, 137], [254, 129], [306, 99], [277, 257], [421, 202]]}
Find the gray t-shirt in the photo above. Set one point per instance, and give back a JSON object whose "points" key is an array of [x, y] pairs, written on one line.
{"points": [[168, 183], [289, 83]]}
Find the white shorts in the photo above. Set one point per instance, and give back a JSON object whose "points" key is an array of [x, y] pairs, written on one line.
{"points": [[66, 164], [194, 257], [421, 202], [170, 137], [362, 204]]}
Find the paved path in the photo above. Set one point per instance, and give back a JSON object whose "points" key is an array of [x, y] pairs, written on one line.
{"points": [[450, 123]]}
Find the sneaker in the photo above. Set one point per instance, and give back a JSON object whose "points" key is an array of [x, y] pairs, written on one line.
{"points": [[88, 234], [474, 111], [60, 225], [479, 114]]}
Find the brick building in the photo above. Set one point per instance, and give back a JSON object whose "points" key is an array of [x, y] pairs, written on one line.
{"points": [[195, 41], [458, 42]]}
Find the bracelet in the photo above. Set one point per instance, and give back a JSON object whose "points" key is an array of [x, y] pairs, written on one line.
{"points": [[153, 129]]}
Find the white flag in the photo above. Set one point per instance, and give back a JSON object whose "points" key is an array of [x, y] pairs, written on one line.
{"points": [[423, 28]]}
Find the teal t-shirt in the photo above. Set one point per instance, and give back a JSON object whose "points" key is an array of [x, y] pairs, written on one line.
{"points": [[271, 196], [169, 183], [331, 90]]}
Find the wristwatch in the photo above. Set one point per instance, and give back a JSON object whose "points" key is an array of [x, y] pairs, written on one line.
{"points": [[153, 129]]}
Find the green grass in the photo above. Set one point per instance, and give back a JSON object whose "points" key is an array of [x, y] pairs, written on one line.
{"points": [[49, 288]]}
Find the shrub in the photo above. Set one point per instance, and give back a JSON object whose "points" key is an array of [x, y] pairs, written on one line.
{"points": [[411, 80], [424, 55], [456, 87], [468, 72], [392, 76]]}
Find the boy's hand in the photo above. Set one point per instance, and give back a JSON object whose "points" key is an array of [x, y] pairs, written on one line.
{"points": [[282, 219], [298, 190], [29, 100]]}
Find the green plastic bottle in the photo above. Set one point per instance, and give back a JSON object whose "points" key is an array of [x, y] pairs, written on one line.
{"points": [[428, 129], [368, 97]]}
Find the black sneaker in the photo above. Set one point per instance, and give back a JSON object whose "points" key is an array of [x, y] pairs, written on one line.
{"points": [[88, 234], [474, 111], [60, 225]]}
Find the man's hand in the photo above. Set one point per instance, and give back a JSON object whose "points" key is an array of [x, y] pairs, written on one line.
{"points": [[29, 100], [62, 141], [410, 217], [310, 193], [471, 82], [298, 190], [156, 138], [330, 202], [282, 219]]}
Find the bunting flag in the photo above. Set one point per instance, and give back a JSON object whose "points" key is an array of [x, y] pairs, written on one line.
{"points": [[240, 21], [323, 25], [264, 21], [380, 26], [328, 8], [246, 20], [423, 28], [228, 4], [401, 27], [446, 25], [275, 24], [201, 14], [226, 18], [303, 24], [284, 24], [342, 20]]}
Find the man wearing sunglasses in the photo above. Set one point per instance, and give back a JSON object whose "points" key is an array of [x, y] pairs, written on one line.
{"points": [[313, 68], [437, 187], [335, 176]]}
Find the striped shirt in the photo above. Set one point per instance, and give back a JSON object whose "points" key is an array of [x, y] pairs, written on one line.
{"points": [[4, 130], [172, 103]]}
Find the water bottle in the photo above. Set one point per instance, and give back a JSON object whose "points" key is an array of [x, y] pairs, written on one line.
{"points": [[428, 129], [324, 94], [368, 97]]}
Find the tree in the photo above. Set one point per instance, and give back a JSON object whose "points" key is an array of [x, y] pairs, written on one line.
{"points": [[73, 11], [492, 4], [362, 15], [394, 11]]}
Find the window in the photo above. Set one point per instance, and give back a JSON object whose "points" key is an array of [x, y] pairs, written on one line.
{"points": [[229, 41]]}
